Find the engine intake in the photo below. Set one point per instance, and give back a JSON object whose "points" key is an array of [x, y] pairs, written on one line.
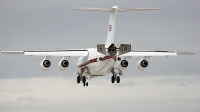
{"points": [[124, 63], [142, 64], [63, 64], [45, 64]]}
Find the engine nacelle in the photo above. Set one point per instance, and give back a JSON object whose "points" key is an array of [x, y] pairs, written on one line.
{"points": [[63, 65], [142, 64], [45, 64], [122, 65]]}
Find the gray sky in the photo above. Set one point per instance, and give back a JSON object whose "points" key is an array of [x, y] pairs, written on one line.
{"points": [[167, 84]]}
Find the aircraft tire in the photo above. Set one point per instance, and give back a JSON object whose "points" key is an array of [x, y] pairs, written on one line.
{"points": [[78, 79], [113, 79], [86, 84], [84, 79], [118, 79]]}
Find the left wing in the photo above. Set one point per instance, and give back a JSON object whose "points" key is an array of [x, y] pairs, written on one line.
{"points": [[69, 52], [155, 53]]}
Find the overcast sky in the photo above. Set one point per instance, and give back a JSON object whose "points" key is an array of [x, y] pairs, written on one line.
{"points": [[168, 84]]}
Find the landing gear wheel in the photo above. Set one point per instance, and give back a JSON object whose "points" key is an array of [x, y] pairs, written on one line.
{"points": [[112, 79], [78, 79], [118, 79], [84, 79], [86, 83]]}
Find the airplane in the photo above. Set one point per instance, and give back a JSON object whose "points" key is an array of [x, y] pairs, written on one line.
{"points": [[105, 58]]}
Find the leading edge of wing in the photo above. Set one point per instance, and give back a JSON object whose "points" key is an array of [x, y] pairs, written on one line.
{"points": [[70, 52]]}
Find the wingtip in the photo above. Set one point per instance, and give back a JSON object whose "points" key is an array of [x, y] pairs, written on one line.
{"points": [[186, 53], [12, 52]]}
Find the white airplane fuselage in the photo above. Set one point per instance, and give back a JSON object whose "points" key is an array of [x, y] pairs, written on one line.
{"points": [[105, 58], [95, 64]]}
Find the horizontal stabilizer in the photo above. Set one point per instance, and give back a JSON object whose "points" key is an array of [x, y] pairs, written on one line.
{"points": [[95, 9], [135, 9], [114, 9]]}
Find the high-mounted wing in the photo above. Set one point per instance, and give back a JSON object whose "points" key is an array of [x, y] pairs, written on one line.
{"points": [[70, 52], [143, 63], [135, 9], [156, 53]]}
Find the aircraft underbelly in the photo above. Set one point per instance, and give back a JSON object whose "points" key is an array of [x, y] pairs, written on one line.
{"points": [[101, 67]]}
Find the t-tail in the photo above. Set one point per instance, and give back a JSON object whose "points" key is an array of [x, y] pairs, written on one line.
{"points": [[113, 11]]}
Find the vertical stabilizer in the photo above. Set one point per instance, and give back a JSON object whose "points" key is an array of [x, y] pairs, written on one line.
{"points": [[113, 11], [111, 26]]}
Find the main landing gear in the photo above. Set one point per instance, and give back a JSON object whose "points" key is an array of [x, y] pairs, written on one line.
{"points": [[83, 79], [85, 84], [115, 77]]}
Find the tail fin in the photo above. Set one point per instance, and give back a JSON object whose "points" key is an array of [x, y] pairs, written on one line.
{"points": [[111, 27], [113, 11]]}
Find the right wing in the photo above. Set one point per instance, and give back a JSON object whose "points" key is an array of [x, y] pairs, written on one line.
{"points": [[69, 52], [155, 53]]}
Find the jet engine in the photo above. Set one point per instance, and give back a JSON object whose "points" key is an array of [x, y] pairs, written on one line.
{"points": [[142, 65], [122, 65], [45, 64], [63, 64]]}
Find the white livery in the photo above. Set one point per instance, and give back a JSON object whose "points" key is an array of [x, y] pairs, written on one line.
{"points": [[103, 59]]}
